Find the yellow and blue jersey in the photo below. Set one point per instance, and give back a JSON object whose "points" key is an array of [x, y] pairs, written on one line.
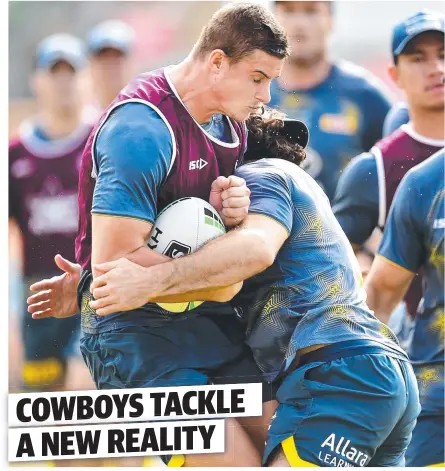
{"points": [[414, 238], [345, 115], [312, 293]]}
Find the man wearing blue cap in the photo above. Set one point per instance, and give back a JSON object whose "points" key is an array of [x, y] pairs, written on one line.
{"points": [[368, 185], [367, 188], [110, 45], [43, 176]]}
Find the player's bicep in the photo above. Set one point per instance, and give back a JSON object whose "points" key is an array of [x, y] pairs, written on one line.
{"points": [[270, 196], [133, 155], [269, 229], [114, 237]]}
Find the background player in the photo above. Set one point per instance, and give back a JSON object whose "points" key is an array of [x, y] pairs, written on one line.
{"points": [[368, 184], [343, 105], [414, 238], [43, 177], [110, 46]]}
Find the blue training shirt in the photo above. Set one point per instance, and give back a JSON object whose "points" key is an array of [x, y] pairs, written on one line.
{"points": [[312, 294], [345, 116], [356, 206], [414, 238]]}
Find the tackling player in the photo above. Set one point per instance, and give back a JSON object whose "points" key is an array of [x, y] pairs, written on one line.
{"points": [[43, 176], [343, 104], [340, 370], [414, 238], [367, 186]]}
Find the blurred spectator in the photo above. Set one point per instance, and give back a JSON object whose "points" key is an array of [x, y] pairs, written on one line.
{"points": [[43, 178], [343, 105], [110, 46]]}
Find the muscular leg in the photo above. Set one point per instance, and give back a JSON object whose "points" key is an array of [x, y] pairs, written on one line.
{"points": [[257, 427], [240, 450]]}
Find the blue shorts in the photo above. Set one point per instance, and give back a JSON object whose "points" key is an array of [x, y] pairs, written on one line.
{"points": [[48, 343], [196, 351], [354, 410], [427, 445]]}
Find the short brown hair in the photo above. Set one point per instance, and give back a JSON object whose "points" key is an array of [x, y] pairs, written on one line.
{"points": [[267, 139], [239, 29]]}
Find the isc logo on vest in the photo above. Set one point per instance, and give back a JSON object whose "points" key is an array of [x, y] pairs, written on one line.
{"points": [[197, 164]]}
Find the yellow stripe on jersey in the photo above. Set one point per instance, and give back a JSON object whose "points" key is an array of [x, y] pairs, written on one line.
{"points": [[394, 264], [291, 453]]}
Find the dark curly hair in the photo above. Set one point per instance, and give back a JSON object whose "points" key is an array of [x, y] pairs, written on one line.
{"points": [[267, 139]]}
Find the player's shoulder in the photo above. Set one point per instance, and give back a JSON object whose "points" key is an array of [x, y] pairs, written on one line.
{"points": [[260, 167], [266, 171], [359, 79], [361, 166], [428, 173], [153, 86], [134, 120]]}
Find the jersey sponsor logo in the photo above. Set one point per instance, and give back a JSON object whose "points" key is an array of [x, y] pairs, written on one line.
{"points": [[345, 454], [197, 164], [345, 122], [292, 101]]}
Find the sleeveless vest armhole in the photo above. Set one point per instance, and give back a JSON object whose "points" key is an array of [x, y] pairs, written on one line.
{"points": [[150, 105]]}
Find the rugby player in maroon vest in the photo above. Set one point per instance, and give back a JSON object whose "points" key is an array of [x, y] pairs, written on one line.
{"points": [[367, 186], [171, 133]]}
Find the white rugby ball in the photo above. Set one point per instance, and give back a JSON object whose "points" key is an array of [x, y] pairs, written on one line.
{"points": [[181, 229]]}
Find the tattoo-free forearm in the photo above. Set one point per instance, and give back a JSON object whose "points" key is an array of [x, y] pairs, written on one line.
{"points": [[222, 262]]}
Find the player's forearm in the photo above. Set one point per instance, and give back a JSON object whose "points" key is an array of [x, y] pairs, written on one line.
{"points": [[146, 257], [142, 256], [222, 262]]}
